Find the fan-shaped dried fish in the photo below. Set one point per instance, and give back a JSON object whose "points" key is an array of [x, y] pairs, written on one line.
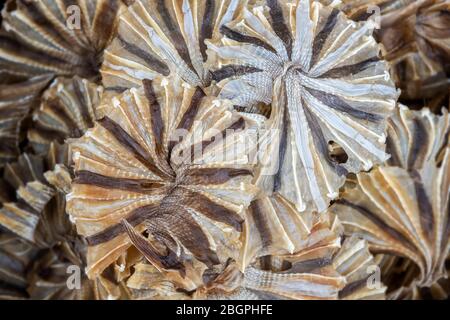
{"points": [[159, 37], [322, 74], [54, 37], [402, 208], [16, 100], [416, 40], [170, 161], [68, 108]]}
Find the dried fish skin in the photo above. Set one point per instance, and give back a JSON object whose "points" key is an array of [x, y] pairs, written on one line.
{"points": [[52, 37], [158, 38], [326, 84], [133, 176], [403, 210], [16, 101], [68, 108]]}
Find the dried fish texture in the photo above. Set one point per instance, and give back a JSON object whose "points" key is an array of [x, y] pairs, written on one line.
{"points": [[162, 37], [15, 256], [360, 269], [306, 274], [322, 74], [273, 227], [399, 273], [16, 100], [416, 41], [68, 108], [49, 277], [169, 161], [402, 208], [55, 37], [32, 193]]}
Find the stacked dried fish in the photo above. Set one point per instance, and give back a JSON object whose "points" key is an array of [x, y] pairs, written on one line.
{"points": [[206, 149]]}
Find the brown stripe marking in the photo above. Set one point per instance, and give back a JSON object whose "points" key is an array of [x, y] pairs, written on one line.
{"points": [[135, 218], [239, 37], [232, 70], [174, 33], [156, 117], [321, 143], [379, 222], [208, 176], [322, 36], [279, 25], [207, 27], [131, 145], [133, 185], [349, 70], [211, 209], [261, 223], [335, 102]]}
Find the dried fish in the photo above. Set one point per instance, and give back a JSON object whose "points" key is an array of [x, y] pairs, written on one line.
{"points": [[68, 108], [169, 161], [53, 37], [416, 41], [326, 85], [16, 101], [402, 208], [162, 37]]}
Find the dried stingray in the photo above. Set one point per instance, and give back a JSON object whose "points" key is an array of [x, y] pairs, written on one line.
{"points": [[68, 108], [55, 37], [167, 161], [416, 39], [16, 101], [326, 84], [161, 37], [402, 208]]}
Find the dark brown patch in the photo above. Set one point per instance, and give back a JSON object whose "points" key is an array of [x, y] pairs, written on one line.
{"points": [[211, 209], [232, 70], [209, 176], [420, 141], [379, 222], [135, 218]]}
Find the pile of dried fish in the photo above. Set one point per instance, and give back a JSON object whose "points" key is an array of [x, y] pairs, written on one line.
{"points": [[233, 149]]}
